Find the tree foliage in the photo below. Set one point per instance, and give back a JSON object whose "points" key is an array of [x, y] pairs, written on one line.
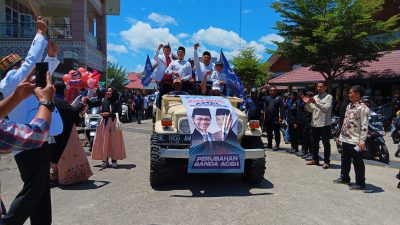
{"points": [[249, 68], [334, 36], [117, 76]]}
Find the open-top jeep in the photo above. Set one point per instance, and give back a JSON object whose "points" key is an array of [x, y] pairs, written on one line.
{"points": [[171, 141]]}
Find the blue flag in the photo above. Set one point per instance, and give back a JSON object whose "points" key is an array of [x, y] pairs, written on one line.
{"points": [[232, 80], [148, 71]]}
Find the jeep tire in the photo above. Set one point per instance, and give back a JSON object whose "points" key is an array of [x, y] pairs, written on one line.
{"points": [[254, 169], [159, 172]]}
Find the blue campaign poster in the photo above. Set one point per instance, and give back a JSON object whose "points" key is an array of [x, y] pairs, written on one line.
{"points": [[213, 124]]}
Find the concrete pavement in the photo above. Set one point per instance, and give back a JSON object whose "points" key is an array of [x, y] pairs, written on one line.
{"points": [[292, 193]]}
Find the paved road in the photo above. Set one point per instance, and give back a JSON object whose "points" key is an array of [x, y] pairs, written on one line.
{"points": [[292, 193]]}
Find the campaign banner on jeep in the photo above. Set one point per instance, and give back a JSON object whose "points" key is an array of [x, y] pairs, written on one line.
{"points": [[214, 127]]}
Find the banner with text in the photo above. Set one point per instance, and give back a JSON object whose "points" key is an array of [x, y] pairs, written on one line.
{"points": [[213, 125]]}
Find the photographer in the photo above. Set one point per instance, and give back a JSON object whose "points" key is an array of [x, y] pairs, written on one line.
{"points": [[31, 201]]}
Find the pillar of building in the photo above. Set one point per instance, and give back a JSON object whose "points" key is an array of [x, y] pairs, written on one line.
{"points": [[78, 19], [101, 29], [91, 25]]}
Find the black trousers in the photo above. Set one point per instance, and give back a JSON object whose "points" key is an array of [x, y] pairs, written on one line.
{"points": [[349, 155], [273, 128], [138, 115], [304, 137], [34, 199], [294, 136], [323, 133]]}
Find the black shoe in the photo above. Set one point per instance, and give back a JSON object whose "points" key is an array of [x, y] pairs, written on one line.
{"points": [[341, 181], [310, 158], [398, 185], [269, 146], [306, 156], [289, 150], [293, 151], [301, 154], [398, 176], [276, 148], [356, 187]]}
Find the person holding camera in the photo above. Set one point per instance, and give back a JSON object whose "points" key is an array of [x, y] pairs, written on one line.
{"points": [[34, 200], [26, 142]]}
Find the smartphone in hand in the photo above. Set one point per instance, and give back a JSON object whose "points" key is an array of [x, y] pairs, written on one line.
{"points": [[41, 72]]}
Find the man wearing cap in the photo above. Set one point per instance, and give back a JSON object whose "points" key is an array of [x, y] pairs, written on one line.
{"points": [[217, 75], [164, 80], [202, 120], [180, 68], [177, 86], [202, 67], [34, 164], [224, 122], [163, 61]]}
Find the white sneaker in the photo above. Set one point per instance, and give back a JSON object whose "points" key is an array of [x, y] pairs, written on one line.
{"points": [[104, 165], [114, 165]]}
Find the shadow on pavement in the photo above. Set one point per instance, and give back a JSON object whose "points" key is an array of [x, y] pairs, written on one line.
{"points": [[89, 185], [126, 166], [216, 185], [335, 166], [120, 166], [371, 189]]}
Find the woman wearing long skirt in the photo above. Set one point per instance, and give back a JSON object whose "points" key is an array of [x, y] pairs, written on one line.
{"points": [[69, 164], [108, 142]]}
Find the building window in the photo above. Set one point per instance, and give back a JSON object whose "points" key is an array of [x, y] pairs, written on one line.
{"points": [[18, 20]]}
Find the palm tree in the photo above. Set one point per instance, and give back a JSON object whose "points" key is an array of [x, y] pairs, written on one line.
{"points": [[117, 76]]}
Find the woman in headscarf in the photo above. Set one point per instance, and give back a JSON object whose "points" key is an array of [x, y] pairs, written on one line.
{"points": [[108, 142], [69, 164]]}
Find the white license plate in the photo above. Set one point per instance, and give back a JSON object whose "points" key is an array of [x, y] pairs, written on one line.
{"points": [[92, 134]]}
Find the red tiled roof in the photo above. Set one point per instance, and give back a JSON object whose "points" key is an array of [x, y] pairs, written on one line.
{"points": [[135, 83], [388, 66]]}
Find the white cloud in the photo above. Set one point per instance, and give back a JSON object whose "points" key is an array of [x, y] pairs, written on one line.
{"points": [[130, 20], [259, 49], [218, 37], [182, 35], [139, 68], [117, 48], [162, 20], [111, 58], [143, 36], [268, 39], [246, 11]]}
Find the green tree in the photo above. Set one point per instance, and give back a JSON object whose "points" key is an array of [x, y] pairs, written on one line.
{"points": [[117, 76], [333, 37], [249, 68]]}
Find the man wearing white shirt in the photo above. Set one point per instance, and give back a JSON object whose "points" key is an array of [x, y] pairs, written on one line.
{"points": [[163, 80], [202, 67], [180, 67], [34, 165], [163, 61]]}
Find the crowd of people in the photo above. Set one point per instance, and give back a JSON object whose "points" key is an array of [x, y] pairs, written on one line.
{"points": [[304, 119], [40, 128]]}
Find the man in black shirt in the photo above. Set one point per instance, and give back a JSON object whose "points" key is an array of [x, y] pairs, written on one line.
{"points": [[274, 113]]}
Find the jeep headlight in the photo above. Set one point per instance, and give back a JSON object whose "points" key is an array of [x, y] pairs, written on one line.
{"points": [[183, 126], [240, 127]]}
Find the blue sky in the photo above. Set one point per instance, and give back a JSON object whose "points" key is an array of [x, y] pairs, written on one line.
{"points": [[143, 25]]}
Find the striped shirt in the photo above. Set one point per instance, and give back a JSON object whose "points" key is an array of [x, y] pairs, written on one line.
{"points": [[20, 137]]}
